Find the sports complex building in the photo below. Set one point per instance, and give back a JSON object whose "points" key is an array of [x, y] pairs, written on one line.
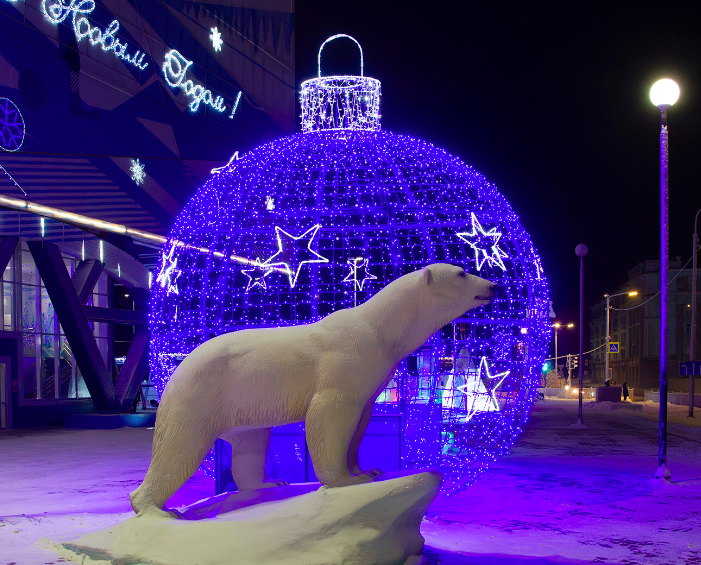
{"points": [[112, 113]]}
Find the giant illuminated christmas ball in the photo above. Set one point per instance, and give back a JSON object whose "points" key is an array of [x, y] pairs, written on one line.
{"points": [[318, 221]]}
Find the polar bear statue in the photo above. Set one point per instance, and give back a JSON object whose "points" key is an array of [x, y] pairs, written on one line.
{"points": [[328, 374]]}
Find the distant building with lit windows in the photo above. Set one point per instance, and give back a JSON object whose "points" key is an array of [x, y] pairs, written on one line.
{"points": [[635, 325]]}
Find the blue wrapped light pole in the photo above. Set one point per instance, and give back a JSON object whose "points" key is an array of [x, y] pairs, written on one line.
{"points": [[692, 346], [663, 94]]}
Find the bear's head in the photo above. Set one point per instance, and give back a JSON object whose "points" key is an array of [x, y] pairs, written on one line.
{"points": [[455, 290]]}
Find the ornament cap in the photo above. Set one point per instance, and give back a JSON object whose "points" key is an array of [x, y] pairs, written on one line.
{"points": [[341, 102]]}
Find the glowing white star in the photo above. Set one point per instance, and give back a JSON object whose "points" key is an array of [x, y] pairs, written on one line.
{"points": [[359, 272], [481, 244], [289, 251], [257, 278], [480, 388], [138, 172], [230, 165], [169, 275], [217, 41], [270, 203]]}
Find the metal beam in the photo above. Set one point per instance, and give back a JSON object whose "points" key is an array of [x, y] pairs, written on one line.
{"points": [[7, 248], [134, 370], [141, 297], [85, 278], [69, 310], [115, 315]]}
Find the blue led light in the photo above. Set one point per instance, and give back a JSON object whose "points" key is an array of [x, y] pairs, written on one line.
{"points": [[382, 205]]}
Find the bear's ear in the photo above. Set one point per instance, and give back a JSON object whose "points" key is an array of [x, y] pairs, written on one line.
{"points": [[427, 277]]}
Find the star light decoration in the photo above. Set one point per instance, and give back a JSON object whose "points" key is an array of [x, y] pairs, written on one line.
{"points": [[270, 203], [289, 252], [256, 275], [217, 41], [480, 389], [359, 272], [138, 172], [230, 165], [485, 244], [169, 274]]}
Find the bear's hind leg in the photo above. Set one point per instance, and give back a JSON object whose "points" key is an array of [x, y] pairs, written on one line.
{"points": [[249, 452]]}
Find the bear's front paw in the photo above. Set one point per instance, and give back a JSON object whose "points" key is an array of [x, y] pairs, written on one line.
{"points": [[374, 472], [352, 479]]}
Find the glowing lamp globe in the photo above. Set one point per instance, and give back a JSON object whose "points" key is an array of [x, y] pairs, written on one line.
{"points": [[322, 220], [664, 93]]}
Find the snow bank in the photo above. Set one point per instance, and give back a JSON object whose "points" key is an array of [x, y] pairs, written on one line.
{"points": [[373, 523]]}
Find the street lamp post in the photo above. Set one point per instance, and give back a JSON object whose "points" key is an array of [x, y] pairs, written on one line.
{"points": [[608, 338], [692, 345], [581, 250], [608, 326], [663, 94]]}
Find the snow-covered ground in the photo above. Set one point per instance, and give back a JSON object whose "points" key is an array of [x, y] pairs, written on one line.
{"points": [[564, 495]]}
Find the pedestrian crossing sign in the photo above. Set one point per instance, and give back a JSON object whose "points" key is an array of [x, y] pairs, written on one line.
{"points": [[613, 347]]}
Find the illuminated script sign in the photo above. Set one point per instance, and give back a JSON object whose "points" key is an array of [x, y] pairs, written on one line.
{"points": [[57, 11], [175, 70], [175, 65]]}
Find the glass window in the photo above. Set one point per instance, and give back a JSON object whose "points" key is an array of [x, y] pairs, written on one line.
{"points": [[7, 294], [49, 370]]}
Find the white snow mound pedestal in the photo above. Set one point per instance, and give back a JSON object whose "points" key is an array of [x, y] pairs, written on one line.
{"points": [[368, 524]]}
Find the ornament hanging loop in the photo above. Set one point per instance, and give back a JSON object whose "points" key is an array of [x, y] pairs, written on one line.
{"points": [[336, 37], [340, 102]]}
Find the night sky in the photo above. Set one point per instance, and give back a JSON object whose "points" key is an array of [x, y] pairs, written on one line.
{"points": [[551, 105]]}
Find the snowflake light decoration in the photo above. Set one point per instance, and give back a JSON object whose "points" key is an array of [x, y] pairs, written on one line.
{"points": [[138, 172], [11, 126], [344, 189], [217, 41]]}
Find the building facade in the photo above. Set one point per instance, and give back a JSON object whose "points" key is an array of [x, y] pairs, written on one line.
{"points": [[117, 112], [635, 325]]}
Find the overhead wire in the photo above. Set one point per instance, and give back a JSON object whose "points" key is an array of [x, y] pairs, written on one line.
{"points": [[620, 310], [654, 295]]}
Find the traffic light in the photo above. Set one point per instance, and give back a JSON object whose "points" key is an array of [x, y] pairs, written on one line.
{"points": [[575, 361], [545, 367]]}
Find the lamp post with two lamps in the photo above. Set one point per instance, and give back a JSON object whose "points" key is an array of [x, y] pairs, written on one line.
{"points": [[608, 325], [663, 94], [557, 326]]}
